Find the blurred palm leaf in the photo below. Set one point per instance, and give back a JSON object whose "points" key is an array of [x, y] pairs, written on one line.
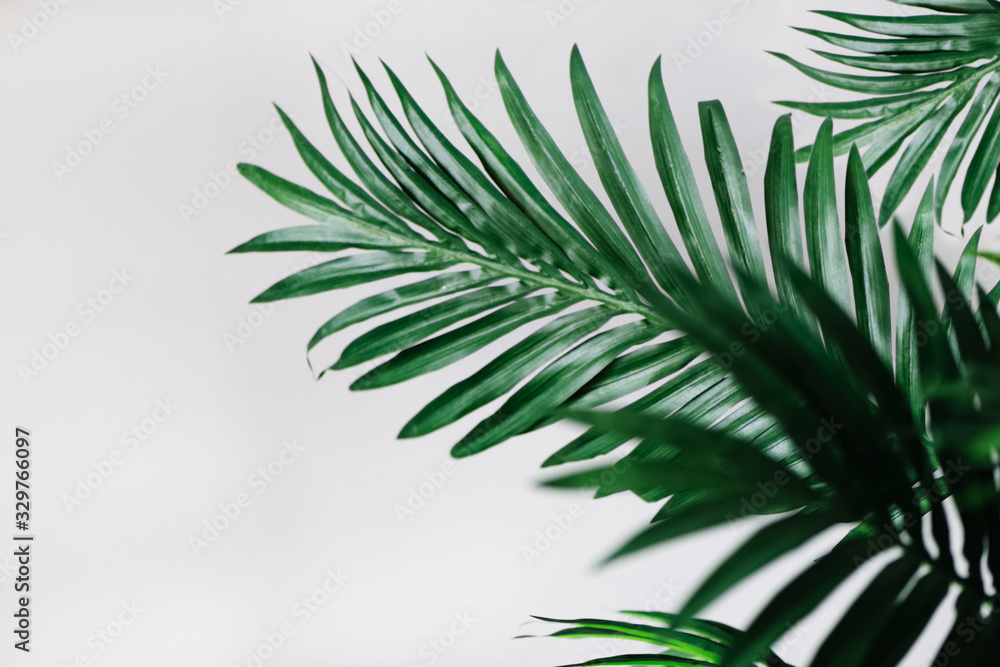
{"points": [[921, 75], [594, 286], [881, 474], [622, 314]]}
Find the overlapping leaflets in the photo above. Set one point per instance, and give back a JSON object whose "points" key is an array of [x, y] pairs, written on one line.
{"points": [[880, 474], [722, 384], [922, 75], [590, 286]]}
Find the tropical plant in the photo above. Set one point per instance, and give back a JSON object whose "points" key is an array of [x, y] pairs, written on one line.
{"points": [[622, 315], [864, 461], [503, 258], [930, 68]]}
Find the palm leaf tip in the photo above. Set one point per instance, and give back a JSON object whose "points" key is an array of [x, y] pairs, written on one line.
{"points": [[428, 184], [930, 69], [601, 295]]}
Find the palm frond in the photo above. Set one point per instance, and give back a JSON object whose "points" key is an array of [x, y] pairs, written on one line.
{"points": [[881, 473], [592, 284], [683, 641], [921, 75]]}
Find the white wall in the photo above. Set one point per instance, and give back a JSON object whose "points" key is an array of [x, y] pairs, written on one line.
{"points": [[163, 336]]}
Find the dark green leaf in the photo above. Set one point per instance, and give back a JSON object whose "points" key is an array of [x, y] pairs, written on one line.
{"points": [[350, 271], [864, 255]]}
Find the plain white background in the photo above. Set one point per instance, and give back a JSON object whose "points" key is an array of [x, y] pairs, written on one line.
{"points": [[168, 337]]}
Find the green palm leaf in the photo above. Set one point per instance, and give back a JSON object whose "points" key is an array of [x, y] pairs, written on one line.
{"points": [[804, 387], [920, 75], [686, 641], [593, 284], [882, 474]]}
